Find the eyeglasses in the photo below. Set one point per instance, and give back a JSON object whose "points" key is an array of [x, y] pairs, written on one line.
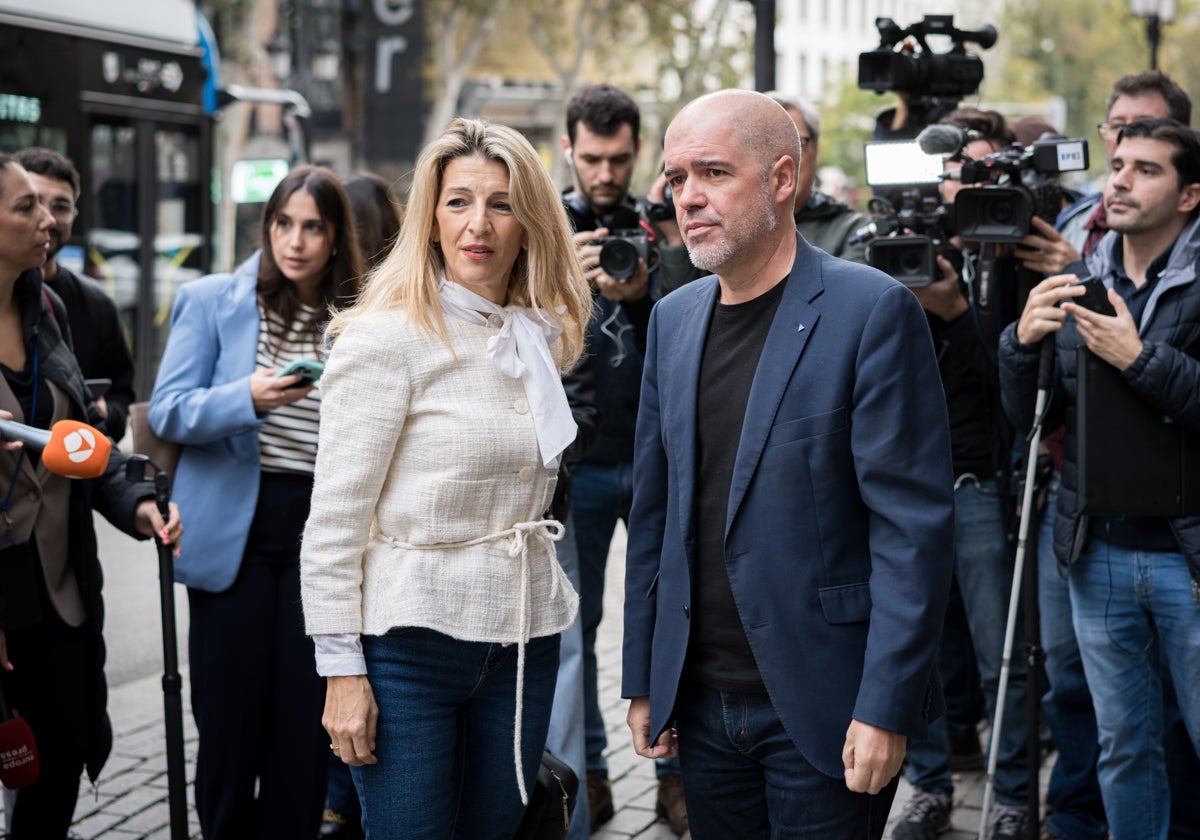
{"points": [[1110, 130], [61, 208]]}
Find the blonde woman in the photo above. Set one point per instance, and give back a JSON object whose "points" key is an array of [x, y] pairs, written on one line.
{"points": [[429, 577]]}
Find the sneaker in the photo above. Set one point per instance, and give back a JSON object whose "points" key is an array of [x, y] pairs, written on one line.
{"points": [[670, 804], [600, 804], [925, 816], [1008, 822]]}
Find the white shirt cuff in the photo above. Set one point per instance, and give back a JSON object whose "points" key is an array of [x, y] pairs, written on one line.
{"points": [[339, 655]]}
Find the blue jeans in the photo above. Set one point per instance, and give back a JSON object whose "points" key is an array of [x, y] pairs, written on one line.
{"points": [[600, 496], [745, 778], [444, 740], [1073, 792], [1135, 612], [566, 735], [983, 565]]}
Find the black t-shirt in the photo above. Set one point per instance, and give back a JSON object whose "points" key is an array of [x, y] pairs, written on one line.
{"points": [[719, 654]]}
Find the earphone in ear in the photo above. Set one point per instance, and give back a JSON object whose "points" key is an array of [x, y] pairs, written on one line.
{"points": [[570, 159]]}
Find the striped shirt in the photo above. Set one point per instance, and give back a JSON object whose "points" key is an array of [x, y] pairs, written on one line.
{"points": [[287, 441]]}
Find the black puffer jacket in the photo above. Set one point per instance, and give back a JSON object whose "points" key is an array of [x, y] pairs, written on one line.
{"points": [[111, 494], [1166, 375]]}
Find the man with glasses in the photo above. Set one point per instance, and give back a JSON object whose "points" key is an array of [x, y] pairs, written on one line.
{"points": [[1082, 225], [96, 332], [822, 220]]}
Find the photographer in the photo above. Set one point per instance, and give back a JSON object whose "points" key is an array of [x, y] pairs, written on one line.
{"points": [[1132, 580], [983, 563], [601, 147]]}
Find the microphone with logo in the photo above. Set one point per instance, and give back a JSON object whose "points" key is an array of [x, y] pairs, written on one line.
{"points": [[18, 752], [70, 448]]}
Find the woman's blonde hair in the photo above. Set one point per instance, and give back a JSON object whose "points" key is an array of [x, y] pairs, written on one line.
{"points": [[546, 275]]}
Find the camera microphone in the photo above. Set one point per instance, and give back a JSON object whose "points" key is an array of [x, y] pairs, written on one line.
{"points": [[942, 140], [18, 751], [879, 227], [69, 448]]}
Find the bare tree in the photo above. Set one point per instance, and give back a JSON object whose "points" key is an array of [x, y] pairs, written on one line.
{"points": [[458, 31]]}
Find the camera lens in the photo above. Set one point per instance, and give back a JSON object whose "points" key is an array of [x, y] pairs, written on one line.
{"points": [[1002, 211], [619, 259]]}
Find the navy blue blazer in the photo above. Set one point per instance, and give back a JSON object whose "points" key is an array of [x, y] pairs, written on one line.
{"points": [[839, 535]]}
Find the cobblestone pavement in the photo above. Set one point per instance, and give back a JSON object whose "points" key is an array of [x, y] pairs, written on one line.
{"points": [[130, 800]]}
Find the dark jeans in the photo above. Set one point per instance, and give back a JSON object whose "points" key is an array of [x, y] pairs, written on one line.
{"points": [[444, 741], [745, 778], [256, 695], [600, 496]]}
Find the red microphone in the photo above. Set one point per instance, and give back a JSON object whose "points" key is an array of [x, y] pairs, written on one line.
{"points": [[18, 751], [70, 448]]}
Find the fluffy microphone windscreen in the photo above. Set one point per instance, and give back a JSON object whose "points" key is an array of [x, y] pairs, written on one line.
{"points": [[76, 450], [18, 754]]}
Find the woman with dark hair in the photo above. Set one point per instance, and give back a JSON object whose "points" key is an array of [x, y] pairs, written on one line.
{"points": [[376, 212], [249, 435], [51, 613]]}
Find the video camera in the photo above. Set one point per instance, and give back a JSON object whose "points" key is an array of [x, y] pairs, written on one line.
{"points": [[910, 257], [1019, 182], [894, 65]]}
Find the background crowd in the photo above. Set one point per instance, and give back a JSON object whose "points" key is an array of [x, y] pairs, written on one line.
{"points": [[435, 512]]}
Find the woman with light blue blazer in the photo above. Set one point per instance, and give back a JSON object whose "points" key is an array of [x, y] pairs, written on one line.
{"points": [[248, 432]]}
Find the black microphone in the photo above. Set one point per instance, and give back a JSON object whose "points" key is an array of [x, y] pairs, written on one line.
{"points": [[18, 751], [942, 140]]}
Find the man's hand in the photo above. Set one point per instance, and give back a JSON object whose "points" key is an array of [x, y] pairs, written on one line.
{"points": [[147, 520], [943, 297], [639, 724], [1114, 338], [4, 663], [350, 718], [1042, 314], [872, 757], [1045, 251], [631, 289], [668, 229]]}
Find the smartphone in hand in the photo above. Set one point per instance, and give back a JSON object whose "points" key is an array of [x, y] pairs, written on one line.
{"points": [[309, 370], [1094, 297]]}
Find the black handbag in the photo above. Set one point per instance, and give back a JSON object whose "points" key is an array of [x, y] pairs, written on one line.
{"points": [[551, 802]]}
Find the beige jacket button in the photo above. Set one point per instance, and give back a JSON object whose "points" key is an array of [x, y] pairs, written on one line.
{"points": [[526, 473], [521, 406]]}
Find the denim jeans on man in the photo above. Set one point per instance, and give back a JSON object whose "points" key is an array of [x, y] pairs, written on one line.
{"points": [[1133, 612], [983, 565], [1073, 792], [600, 496], [745, 778], [444, 740], [566, 735]]}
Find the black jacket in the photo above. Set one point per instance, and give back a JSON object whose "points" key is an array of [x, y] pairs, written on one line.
{"points": [[99, 342], [1166, 374], [111, 494]]}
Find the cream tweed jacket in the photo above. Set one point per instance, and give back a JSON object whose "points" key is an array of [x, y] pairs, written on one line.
{"points": [[429, 493]]}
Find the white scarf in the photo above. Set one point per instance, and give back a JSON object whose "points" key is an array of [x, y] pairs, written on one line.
{"points": [[522, 350]]}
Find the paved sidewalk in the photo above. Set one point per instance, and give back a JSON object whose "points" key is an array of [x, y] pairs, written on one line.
{"points": [[130, 800]]}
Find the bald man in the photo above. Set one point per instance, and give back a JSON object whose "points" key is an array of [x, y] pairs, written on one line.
{"points": [[791, 533]]}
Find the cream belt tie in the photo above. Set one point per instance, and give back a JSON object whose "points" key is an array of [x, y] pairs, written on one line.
{"points": [[548, 531]]}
